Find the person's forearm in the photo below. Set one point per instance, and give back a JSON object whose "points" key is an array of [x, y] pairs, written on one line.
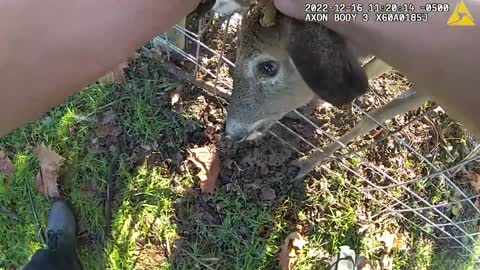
{"points": [[49, 49], [442, 61]]}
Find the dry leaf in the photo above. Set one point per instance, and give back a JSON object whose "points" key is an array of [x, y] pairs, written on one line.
{"points": [[103, 131], [6, 166], [90, 189], [386, 262], [474, 180], [39, 183], [400, 242], [176, 95], [268, 194], [290, 250], [206, 158], [50, 163], [376, 265], [156, 53], [388, 240], [106, 126], [457, 209], [117, 75], [363, 226], [391, 241]]}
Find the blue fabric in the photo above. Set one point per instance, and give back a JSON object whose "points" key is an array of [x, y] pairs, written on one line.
{"points": [[46, 259]]}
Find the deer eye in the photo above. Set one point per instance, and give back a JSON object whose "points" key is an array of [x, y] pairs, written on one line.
{"points": [[268, 68]]}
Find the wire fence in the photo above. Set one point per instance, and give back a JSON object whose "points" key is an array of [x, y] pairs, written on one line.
{"points": [[406, 198]]}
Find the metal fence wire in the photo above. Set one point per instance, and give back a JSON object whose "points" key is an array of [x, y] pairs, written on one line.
{"points": [[436, 216]]}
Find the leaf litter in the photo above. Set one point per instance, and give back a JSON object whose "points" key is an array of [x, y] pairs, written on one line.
{"points": [[106, 127], [207, 160], [117, 74], [392, 241], [50, 163], [290, 250], [474, 181]]}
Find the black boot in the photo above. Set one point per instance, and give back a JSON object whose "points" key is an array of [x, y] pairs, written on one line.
{"points": [[61, 253], [61, 228]]}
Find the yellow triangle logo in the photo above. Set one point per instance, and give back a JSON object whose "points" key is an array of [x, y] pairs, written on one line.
{"points": [[461, 16]]}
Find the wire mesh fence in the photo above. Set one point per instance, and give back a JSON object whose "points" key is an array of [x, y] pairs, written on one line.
{"points": [[439, 194]]}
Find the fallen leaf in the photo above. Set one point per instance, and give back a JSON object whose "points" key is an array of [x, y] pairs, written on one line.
{"points": [[388, 240], [206, 158], [386, 262], [50, 163], [363, 226], [6, 166], [290, 250], [374, 133], [457, 206], [400, 243], [268, 194], [364, 264], [117, 75], [103, 131], [474, 180], [106, 126], [156, 53], [39, 183], [108, 117], [176, 95], [376, 265], [90, 189], [457, 209]]}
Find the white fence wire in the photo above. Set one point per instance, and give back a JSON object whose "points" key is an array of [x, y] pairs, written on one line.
{"points": [[433, 218]]}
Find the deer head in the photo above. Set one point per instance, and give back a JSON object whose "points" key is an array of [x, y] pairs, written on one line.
{"points": [[282, 64]]}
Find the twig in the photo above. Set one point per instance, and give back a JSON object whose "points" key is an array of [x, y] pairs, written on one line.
{"points": [[35, 216], [197, 260], [206, 27], [109, 191]]}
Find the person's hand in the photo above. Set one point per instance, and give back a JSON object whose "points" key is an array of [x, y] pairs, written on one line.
{"points": [[67, 44]]}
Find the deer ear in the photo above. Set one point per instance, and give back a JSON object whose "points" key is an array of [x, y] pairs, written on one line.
{"points": [[325, 62]]}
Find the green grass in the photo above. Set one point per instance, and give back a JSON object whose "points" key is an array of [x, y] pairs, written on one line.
{"points": [[159, 220]]}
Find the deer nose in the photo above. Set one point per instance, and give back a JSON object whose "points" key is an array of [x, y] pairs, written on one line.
{"points": [[235, 130]]}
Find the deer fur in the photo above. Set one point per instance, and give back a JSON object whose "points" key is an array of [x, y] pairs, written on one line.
{"points": [[289, 63]]}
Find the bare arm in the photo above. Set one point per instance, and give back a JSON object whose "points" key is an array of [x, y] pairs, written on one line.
{"points": [[49, 49], [443, 61]]}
